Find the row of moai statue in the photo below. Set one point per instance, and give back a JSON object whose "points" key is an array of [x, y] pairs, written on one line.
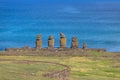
{"points": [[63, 42]]}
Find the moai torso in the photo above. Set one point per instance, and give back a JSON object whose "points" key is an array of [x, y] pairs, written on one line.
{"points": [[85, 45], [51, 42], [74, 42], [39, 42], [62, 41]]}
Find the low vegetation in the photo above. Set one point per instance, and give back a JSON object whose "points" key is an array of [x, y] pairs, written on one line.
{"points": [[95, 67]]}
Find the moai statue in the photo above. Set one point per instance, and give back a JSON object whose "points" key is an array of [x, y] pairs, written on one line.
{"points": [[85, 45], [74, 42], [51, 42], [39, 42], [62, 41]]}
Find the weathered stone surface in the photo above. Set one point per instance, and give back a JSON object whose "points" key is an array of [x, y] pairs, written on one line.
{"points": [[62, 41], [26, 47], [39, 42], [51, 42], [74, 42], [51, 37], [51, 45], [59, 75], [62, 35], [85, 45]]}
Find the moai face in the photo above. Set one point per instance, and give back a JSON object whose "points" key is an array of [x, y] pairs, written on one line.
{"points": [[39, 36], [74, 42], [51, 42], [62, 41], [74, 39], [51, 37]]}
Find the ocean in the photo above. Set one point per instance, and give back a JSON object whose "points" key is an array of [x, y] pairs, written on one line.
{"points": [[97, 23]]}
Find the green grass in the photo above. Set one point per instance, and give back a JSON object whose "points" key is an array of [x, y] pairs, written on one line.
{"points": [[82, 68], [10, 70]]}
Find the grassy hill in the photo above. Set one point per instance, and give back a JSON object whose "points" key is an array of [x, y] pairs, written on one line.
{"points": [[99, 66]]}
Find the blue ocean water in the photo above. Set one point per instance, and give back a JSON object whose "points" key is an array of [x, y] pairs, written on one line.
{"points": [[96, 23]]}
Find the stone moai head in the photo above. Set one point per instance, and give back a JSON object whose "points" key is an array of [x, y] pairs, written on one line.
{"points": [[39, 36], [62, 41], [62, 35], [85, 45], [39, 42], [51, 42], [74, 42]]}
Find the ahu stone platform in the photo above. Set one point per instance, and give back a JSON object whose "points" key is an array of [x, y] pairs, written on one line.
{"points": [[51, 50]]}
